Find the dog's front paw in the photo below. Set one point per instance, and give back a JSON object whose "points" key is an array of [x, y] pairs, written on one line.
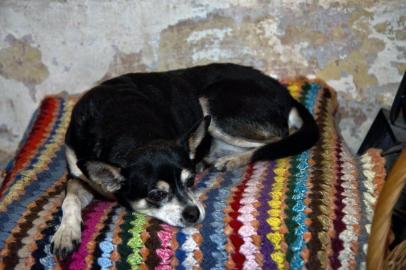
{"points": [[65, 240]]}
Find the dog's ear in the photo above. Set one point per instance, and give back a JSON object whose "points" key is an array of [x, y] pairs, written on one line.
{"points": [[195, 135], [107, 176]]}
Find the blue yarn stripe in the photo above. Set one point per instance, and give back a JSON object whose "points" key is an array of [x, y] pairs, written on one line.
{"points": [[45, 179], [300, 189], [213, 247], [9, 219], [106, 246]]}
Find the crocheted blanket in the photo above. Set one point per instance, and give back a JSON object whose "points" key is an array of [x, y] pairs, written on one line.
{"points": [[309, 211]]}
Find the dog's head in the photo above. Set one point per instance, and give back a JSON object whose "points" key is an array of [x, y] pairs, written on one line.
{"points": [[159, 179]]}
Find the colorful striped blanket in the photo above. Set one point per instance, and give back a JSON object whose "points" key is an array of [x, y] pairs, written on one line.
{"points": [[311, 211]]}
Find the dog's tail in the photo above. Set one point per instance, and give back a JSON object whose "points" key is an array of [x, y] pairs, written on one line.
{"points": [[304, 138]]}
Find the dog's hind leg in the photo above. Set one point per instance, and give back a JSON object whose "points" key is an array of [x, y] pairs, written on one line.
{"points": [[233, 161], [68, 235], [242, 157], [246, 146]]}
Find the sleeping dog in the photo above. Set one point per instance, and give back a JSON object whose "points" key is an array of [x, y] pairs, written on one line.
{"points": [[137, 138]]}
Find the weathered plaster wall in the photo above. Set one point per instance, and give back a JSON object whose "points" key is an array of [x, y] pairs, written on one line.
{"points": [[47, 47]]}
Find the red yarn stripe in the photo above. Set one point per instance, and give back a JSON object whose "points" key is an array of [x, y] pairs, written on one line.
{"points": [[38, 134], [235, 224], [339, 226]]}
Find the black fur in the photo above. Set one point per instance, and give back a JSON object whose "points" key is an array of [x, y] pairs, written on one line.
{"points": [[140, 122]]}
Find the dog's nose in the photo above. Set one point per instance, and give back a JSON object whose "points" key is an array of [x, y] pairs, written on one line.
{"points": [[191, 214]]}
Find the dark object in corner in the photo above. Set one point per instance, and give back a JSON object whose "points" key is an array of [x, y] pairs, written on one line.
{"points": [[388, 132]]}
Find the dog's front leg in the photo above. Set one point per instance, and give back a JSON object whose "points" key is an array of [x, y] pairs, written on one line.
{"points": [[68, 235]]}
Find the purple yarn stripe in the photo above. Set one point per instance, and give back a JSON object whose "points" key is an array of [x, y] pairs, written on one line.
{"points": [[264, 228]]}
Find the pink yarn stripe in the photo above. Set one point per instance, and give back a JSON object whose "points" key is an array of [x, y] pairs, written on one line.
{"points": [[91, 219], [165, 252]]}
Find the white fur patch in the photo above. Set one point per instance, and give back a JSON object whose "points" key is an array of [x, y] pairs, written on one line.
{"points": [[294, 120], [205, 106], [139, 205], [163, 185], [72, 161], [170, 212], [185, 175]]}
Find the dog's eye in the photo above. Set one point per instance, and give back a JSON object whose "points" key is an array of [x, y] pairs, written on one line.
{"points": [[157, 195]]}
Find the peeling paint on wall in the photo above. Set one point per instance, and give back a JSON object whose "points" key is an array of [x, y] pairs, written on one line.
{"points": [[124, 63], [358, 47], [22, 62]]}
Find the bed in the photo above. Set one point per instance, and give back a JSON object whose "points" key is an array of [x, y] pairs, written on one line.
{"points": [[310, 211]]}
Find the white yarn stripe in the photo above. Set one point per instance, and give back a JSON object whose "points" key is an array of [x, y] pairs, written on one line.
{"points": [[249, 249], [351, 208]]}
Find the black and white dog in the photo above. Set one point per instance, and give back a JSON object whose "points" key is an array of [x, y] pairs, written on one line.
{"points": [[137, 138]]}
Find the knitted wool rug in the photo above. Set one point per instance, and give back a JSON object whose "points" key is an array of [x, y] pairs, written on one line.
{"points": [[311, 211]]}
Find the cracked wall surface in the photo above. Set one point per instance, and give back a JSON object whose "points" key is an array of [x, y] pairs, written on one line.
{"points": [[46, 47]]}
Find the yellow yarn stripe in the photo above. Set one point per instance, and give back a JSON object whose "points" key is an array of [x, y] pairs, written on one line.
{"points": [[295, 90], [275, 220]]}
